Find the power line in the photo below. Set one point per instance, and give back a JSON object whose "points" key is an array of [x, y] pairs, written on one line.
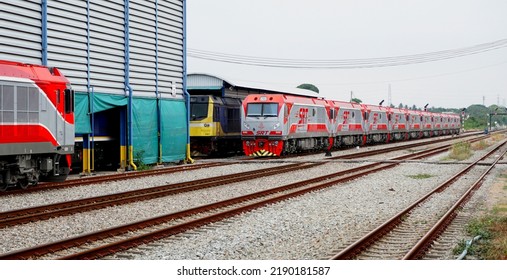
{"points": [[389, 81], [347, 63]]}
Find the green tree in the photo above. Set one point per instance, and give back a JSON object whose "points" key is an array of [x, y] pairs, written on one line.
{"points": [[477, 117], [309, 87], [356, 100]]}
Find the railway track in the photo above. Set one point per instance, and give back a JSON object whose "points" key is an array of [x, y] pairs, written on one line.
{"points": [[112, 177], [242, 204], [32, 214], [411, 232], [87, 180]]}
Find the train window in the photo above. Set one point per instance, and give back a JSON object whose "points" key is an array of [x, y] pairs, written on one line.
{"points": [[254, 110], [270, 110], [22, 98], [198, 111], [262, 110], [8, 104], [33, 100], [353, 115], [33, 105], [331, 114], [421, 118], [313, 112], [69, 101], [22, 104], [216, 113]]}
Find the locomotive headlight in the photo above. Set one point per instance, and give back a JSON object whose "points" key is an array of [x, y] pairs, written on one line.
{"points": [[246, 125], [277, 125]]}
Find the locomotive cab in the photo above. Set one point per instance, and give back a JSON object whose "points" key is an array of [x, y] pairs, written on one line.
{"points": [[214, 125], [263, 126], [36, 124]]}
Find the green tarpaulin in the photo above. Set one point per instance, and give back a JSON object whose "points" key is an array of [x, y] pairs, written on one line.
{"points": [[144, 123]]}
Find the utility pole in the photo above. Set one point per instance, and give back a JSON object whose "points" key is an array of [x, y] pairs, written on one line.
{"points": [[351, 95], [483, 100]]}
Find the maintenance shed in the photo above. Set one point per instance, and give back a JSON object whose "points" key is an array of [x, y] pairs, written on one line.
{"points": [[126, 61]]}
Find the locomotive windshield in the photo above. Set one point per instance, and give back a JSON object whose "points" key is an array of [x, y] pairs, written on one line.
{"points": [[198, 111], [262, 110]]}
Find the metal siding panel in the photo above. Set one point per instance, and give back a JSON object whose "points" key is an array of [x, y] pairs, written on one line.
{"points": [[172, 7], [107, 50], [171, 56], [67, 42], [20, 31], [143, 48], [170, 71], [170, 46], [199, 80]]}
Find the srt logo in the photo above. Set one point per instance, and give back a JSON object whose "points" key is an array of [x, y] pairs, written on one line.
{"points": [[375, 118], [346, 117], [303, 116]]}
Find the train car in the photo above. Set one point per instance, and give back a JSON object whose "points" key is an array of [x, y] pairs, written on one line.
{"points": [[36, 124], [437, 124], [454, 126], [215, 125], [398, 124], [349, 127], [416, 124], [376, 123], [276, 124]]}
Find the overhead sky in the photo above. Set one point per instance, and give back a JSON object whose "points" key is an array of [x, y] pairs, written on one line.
{"points": [[343, 30]]}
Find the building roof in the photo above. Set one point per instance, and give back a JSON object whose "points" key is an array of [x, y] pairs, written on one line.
{"points": [[205, 81]]}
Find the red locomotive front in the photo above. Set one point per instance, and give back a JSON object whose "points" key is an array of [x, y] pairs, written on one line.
{"points": [[36, 124]]}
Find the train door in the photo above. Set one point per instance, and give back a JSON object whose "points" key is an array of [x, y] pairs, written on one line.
{"points": [[60, 126]]}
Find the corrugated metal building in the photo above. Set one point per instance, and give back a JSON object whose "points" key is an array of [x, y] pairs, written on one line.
{"points": [[125, 60], [203, 83]]}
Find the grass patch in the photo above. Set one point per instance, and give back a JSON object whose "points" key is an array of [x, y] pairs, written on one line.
{"points": [[481, 145], [420, 176], [460, 151], [139, 160], [498, 136], [493, 243], [498, 209]]}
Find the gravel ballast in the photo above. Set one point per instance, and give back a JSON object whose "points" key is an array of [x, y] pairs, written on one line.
{"points": [[305, 227]]}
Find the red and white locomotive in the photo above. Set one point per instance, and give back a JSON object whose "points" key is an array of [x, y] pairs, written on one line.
{"points": [[276, 124], [36, 124]]}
